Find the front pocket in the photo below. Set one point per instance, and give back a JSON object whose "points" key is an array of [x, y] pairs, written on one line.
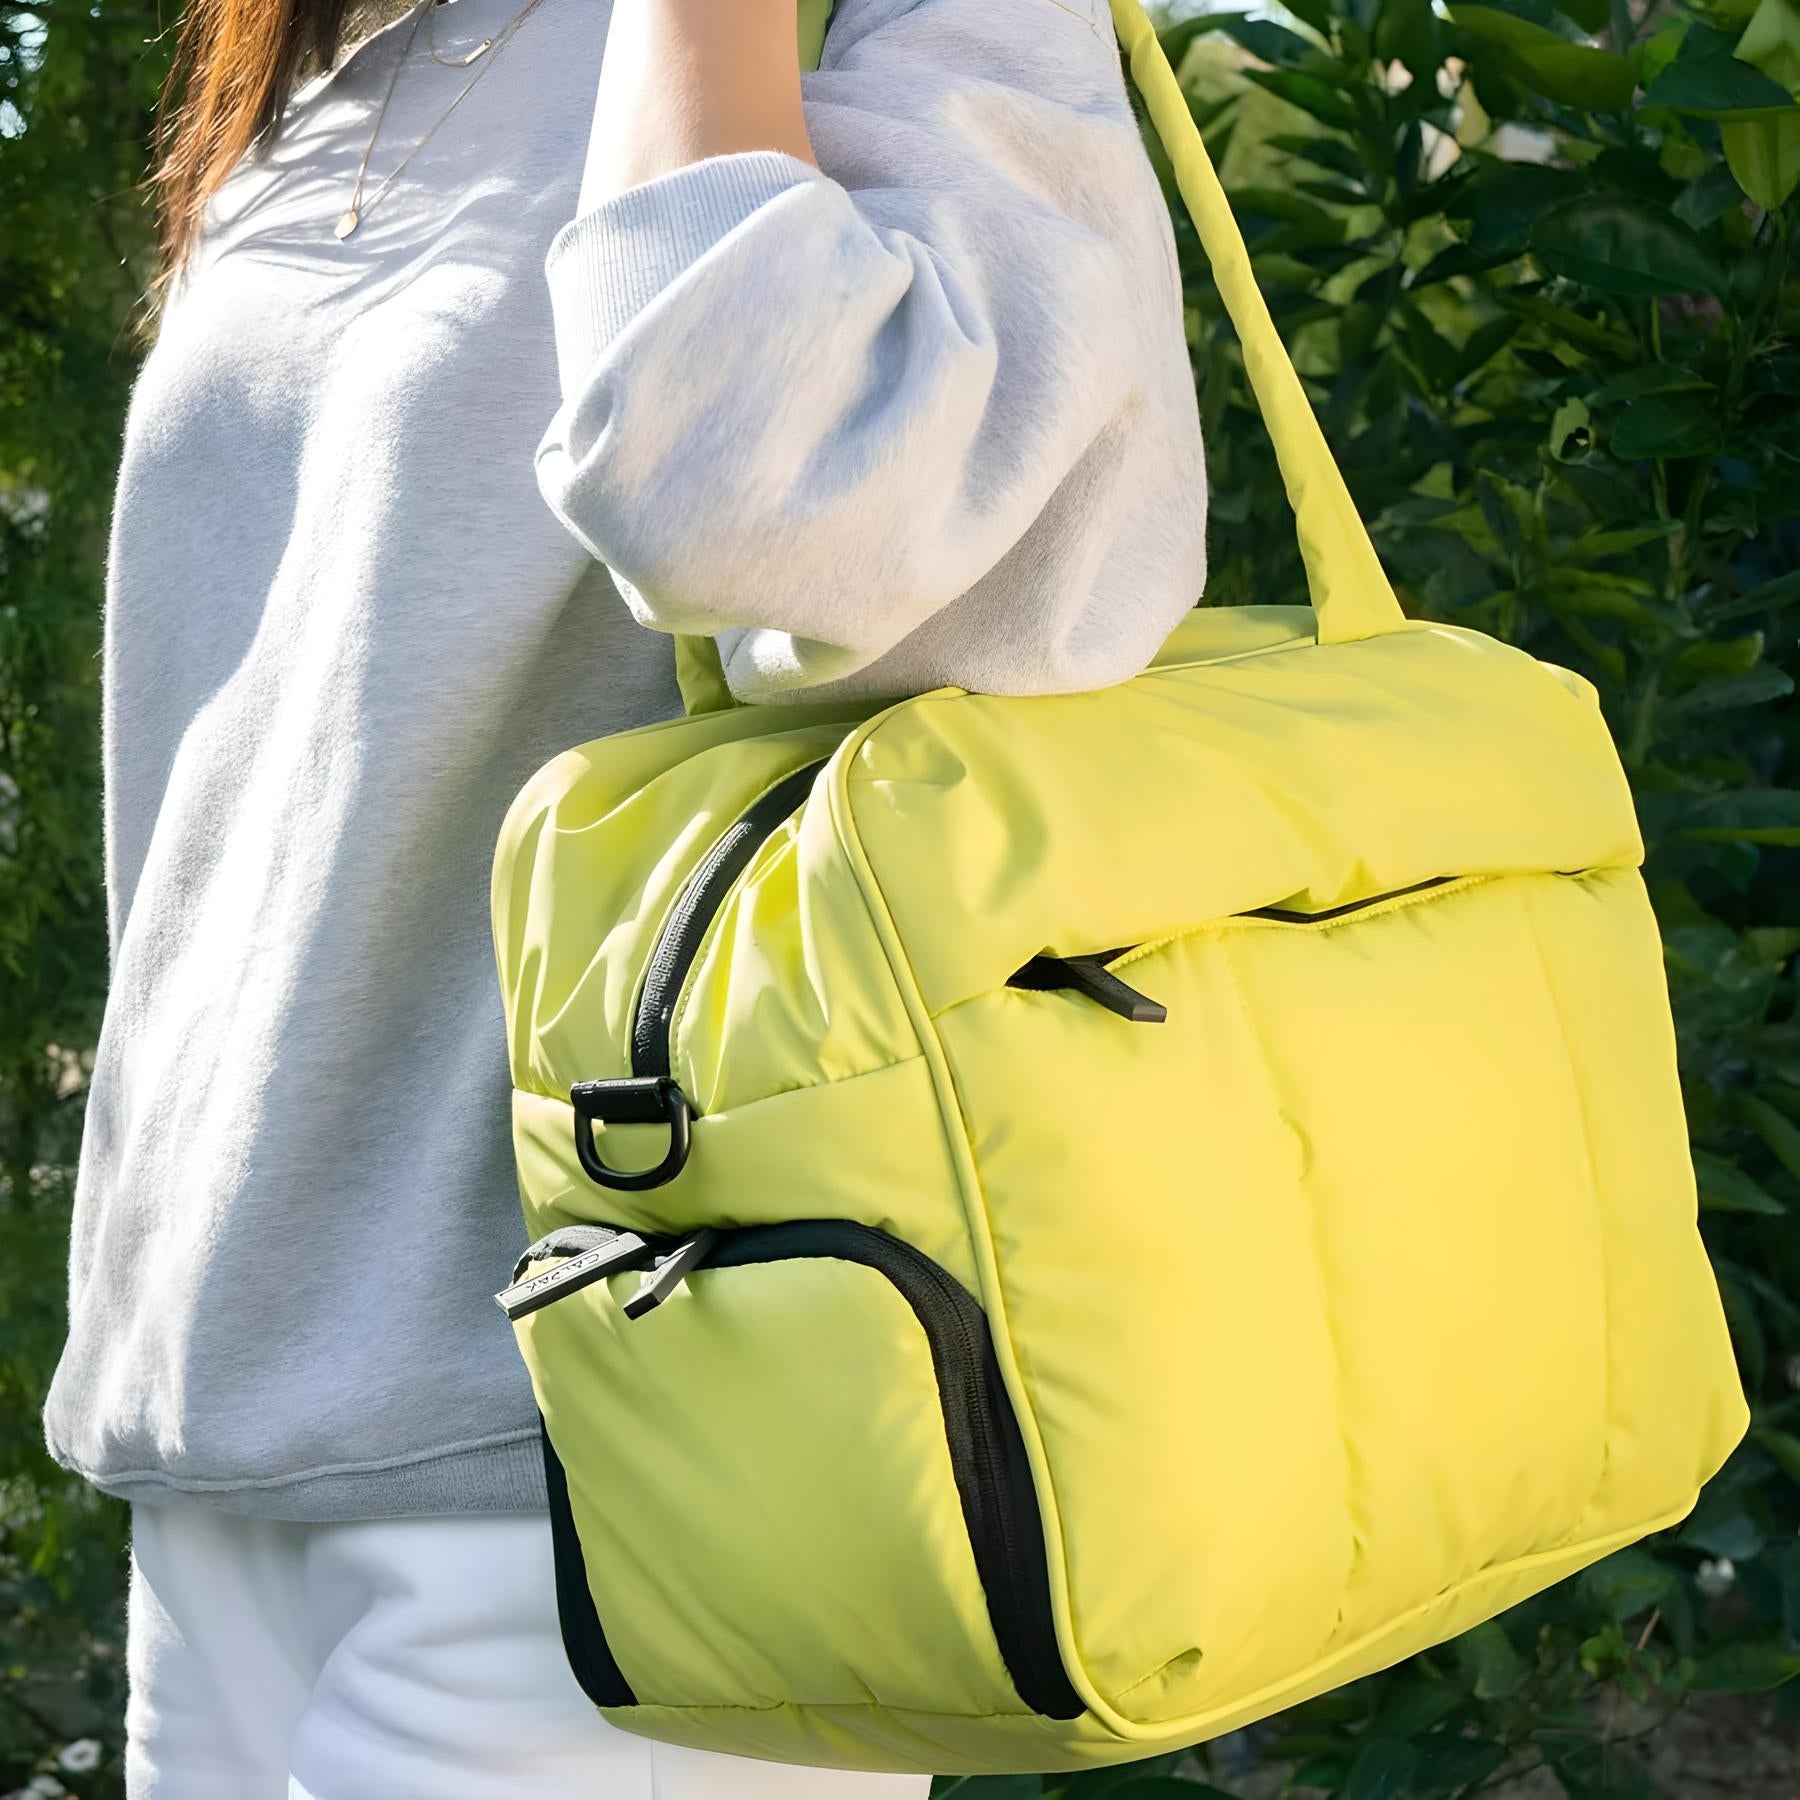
{"points": [[1095, 974], [1359, 1194], [856, 1475]]}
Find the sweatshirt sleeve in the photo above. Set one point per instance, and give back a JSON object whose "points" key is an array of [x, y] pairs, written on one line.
{"points": [[921, 415]]}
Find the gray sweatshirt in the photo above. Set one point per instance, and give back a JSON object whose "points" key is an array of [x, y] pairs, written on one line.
{"points": [[401, 517]]}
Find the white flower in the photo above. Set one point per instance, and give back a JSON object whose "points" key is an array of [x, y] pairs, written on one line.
{"points": [[1792, 1371], [47, 1785], [1716, 1577], [80, 1756]]}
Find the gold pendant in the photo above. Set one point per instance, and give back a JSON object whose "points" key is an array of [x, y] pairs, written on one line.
{"points": [[348, 223]]}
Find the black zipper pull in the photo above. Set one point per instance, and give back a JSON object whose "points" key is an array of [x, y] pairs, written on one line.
{"points": [[670, 1271], [1088, 976], [590, 1254]]}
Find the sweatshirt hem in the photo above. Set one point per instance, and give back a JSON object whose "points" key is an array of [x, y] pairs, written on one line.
{"points": [[502, 1474]]}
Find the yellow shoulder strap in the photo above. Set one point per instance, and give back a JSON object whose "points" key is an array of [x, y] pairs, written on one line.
{"points": [[815, 15], [1350, 594]]}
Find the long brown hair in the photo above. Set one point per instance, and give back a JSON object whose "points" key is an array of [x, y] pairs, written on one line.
{"points": [[235, 63]]}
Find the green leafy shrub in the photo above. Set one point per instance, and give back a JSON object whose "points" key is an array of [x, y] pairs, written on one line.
{"points": [[75, 91]]}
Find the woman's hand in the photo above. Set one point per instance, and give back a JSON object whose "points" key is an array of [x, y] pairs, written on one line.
{"points": [[682, 80]]}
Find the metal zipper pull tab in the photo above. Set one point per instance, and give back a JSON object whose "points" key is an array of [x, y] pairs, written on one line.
{"points": [[670, 1271], [589, 1253], [1088, 976]]}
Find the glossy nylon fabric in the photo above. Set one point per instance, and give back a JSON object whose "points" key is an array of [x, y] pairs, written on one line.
{"points": [[1354, 1303]]}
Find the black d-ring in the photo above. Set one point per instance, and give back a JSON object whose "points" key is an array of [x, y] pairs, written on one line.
{"points": [[631, 1100]]}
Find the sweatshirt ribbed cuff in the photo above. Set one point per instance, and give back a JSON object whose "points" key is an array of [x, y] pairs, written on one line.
{"points": [[605, 266]]}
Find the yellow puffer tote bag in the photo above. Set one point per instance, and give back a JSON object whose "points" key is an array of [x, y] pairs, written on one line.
{"points": [[1068, 1224]]}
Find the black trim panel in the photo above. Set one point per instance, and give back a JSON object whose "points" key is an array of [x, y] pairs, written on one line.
{"points": [[584, 1641]]}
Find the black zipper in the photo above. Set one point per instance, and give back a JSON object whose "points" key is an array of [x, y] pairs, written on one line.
{"points": [[679, 941], [650, 1094], [987, 1458], [1089, 976], [1349, 906]]}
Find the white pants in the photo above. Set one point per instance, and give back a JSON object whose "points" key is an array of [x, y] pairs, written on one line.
{"points": [[387, 1659]]}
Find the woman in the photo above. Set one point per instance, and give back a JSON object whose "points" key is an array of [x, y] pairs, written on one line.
{"points": [[488, 364]]}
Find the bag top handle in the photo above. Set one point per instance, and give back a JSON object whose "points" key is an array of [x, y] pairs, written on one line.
{"points": [[1351, 595]]}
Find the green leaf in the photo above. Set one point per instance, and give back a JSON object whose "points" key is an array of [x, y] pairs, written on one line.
{"points": [[1547, 63], [1327, 1772], [1316, 13], [1382, 1768], [1407, 32], [1276, 44], [1747, 815], [1324, 152], [1097, 1782], [1499, 205], [1767, 596], [1720, 87], [1781, 1447], [1590, 15], [1708, 197], [1154, 1787], [1571, 431], [1595, 546], [1763, 151], [1308, 93], [1720, 1526], [1771, 41], [1626, 1583], [1624, 247], [1596, 594], [1667, 425], [1764, 157], [1652, 378], [1449, 1763], [1487, 1658], [1744, 1317], [1599, 1771], [990, 1787], [1748, 1667], [1596, 80], [1788, 1578], [1412, 1704], [1502, 25], [1775, 1129], [1724, 1187], [1731, 691]]}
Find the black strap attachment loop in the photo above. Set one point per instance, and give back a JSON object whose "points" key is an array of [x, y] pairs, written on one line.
{"points": [[631, 1100]]}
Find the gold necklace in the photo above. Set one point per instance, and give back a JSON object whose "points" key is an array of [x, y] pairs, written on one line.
{"points": [[452, 62], [354, 213]]}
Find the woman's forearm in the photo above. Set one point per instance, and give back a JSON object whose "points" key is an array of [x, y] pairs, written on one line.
{"points": [[681, 80]]}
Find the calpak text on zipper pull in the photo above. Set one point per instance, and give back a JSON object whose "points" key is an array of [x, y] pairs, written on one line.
{"points": [[625, 1250]]}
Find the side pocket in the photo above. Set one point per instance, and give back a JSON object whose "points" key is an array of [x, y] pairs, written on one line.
{"points": [[798, 1480]]}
